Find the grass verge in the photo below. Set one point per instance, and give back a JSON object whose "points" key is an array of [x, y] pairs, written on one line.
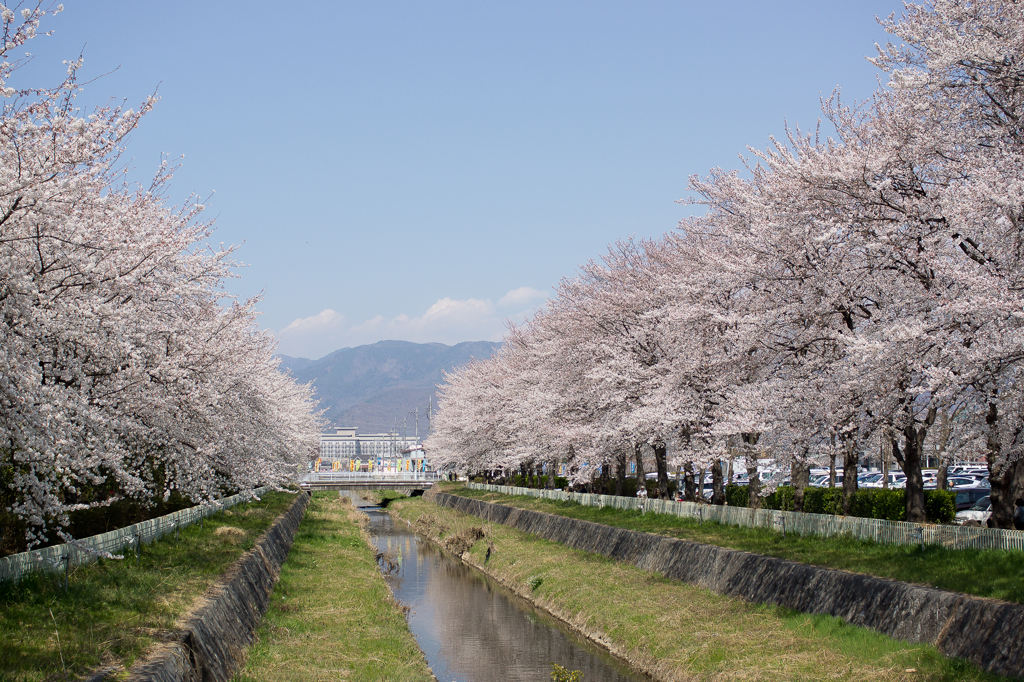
{"points": [[676, 631], [995, 574], [332, 616], [113, 610]]}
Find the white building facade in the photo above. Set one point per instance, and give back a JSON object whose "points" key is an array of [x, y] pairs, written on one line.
{"points": [[346, 450]]}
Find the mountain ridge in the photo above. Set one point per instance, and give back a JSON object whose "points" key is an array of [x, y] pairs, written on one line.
{"points": [[378, 386]]}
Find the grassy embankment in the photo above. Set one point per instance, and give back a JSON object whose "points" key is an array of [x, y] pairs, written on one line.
{"points": [[995, 574], [332, 616], [677, 631], [113, 610]]}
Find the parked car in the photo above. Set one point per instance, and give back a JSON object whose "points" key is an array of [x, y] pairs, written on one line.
{"points": [[875, 480], [981, 512], [965, 482], [967, 497], [822, 480], [967, 470]]}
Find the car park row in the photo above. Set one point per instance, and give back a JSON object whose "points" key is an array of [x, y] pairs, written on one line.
{"points": [[970, 483]]}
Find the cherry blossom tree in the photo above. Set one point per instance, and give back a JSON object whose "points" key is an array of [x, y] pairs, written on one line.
{"points": [[125, 369], [842, 292]]}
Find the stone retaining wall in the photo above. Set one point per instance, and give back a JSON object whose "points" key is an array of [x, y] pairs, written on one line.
{"points": [[985, 632], [209, 644]]}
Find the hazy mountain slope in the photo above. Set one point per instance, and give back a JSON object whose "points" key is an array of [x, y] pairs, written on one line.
{"points": [[369, 387]]}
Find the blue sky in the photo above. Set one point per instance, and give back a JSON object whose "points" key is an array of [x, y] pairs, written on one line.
{"points": [[426, 170]]}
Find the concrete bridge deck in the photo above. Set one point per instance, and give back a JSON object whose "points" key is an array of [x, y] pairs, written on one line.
{"points": [[405, 481]]}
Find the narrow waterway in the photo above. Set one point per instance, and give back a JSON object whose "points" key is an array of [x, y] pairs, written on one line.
{"points": [[473, 630]]}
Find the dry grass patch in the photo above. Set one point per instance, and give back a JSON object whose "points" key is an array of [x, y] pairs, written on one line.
{"points": [[230, 534]]}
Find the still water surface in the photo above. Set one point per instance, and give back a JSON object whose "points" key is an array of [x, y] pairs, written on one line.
{"points": [[471, 629]]}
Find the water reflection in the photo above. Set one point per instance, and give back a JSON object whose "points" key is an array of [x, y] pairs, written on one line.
{"points": [[471, 629]]}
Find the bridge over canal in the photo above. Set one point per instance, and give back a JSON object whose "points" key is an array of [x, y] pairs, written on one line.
{"points": [[352, 483]]}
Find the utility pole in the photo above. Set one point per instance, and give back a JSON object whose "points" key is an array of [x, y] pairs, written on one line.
{"points": [[417, 424]]}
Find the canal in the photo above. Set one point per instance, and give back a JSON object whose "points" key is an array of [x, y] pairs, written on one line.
{"points": [[473, 630]]}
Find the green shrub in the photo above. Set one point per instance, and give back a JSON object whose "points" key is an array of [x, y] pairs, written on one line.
{"points": [[890, 505], [736, 495], [940, 505], [867, 503], [781, 499], [823, 501], [862, 504]]}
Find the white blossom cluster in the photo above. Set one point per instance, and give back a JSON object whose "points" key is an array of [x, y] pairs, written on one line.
{"points": [[125, 370], [846, 294]]}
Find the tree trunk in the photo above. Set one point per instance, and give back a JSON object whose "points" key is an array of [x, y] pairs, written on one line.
{"points": [[661, 464], [699, 486], [754, 485], [832, 468], [849, 474], [800, 475], [717, 486], [605, 477], [942, 477], [1006, 488], [641, 477], [552, 473], [1006, 480], [885, 467], [910, 462], [689, 483], [620, 472]]}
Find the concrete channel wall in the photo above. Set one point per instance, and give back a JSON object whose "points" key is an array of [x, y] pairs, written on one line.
{"points": [[985, 632], [208, 646]]}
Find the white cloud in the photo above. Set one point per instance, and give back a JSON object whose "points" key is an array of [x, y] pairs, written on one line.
{"points": [[305, 336], [521, 296], [447, 309], [327, 319], [448, 321]]}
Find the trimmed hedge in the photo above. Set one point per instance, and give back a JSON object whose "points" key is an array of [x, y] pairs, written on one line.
{"points": [[868, 503], [538, 481]]}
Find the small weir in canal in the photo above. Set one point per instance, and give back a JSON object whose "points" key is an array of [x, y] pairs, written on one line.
{"points": [[472, 629]]}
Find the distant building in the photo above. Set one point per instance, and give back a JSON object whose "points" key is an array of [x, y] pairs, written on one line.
{"points": [[345, 450]]}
